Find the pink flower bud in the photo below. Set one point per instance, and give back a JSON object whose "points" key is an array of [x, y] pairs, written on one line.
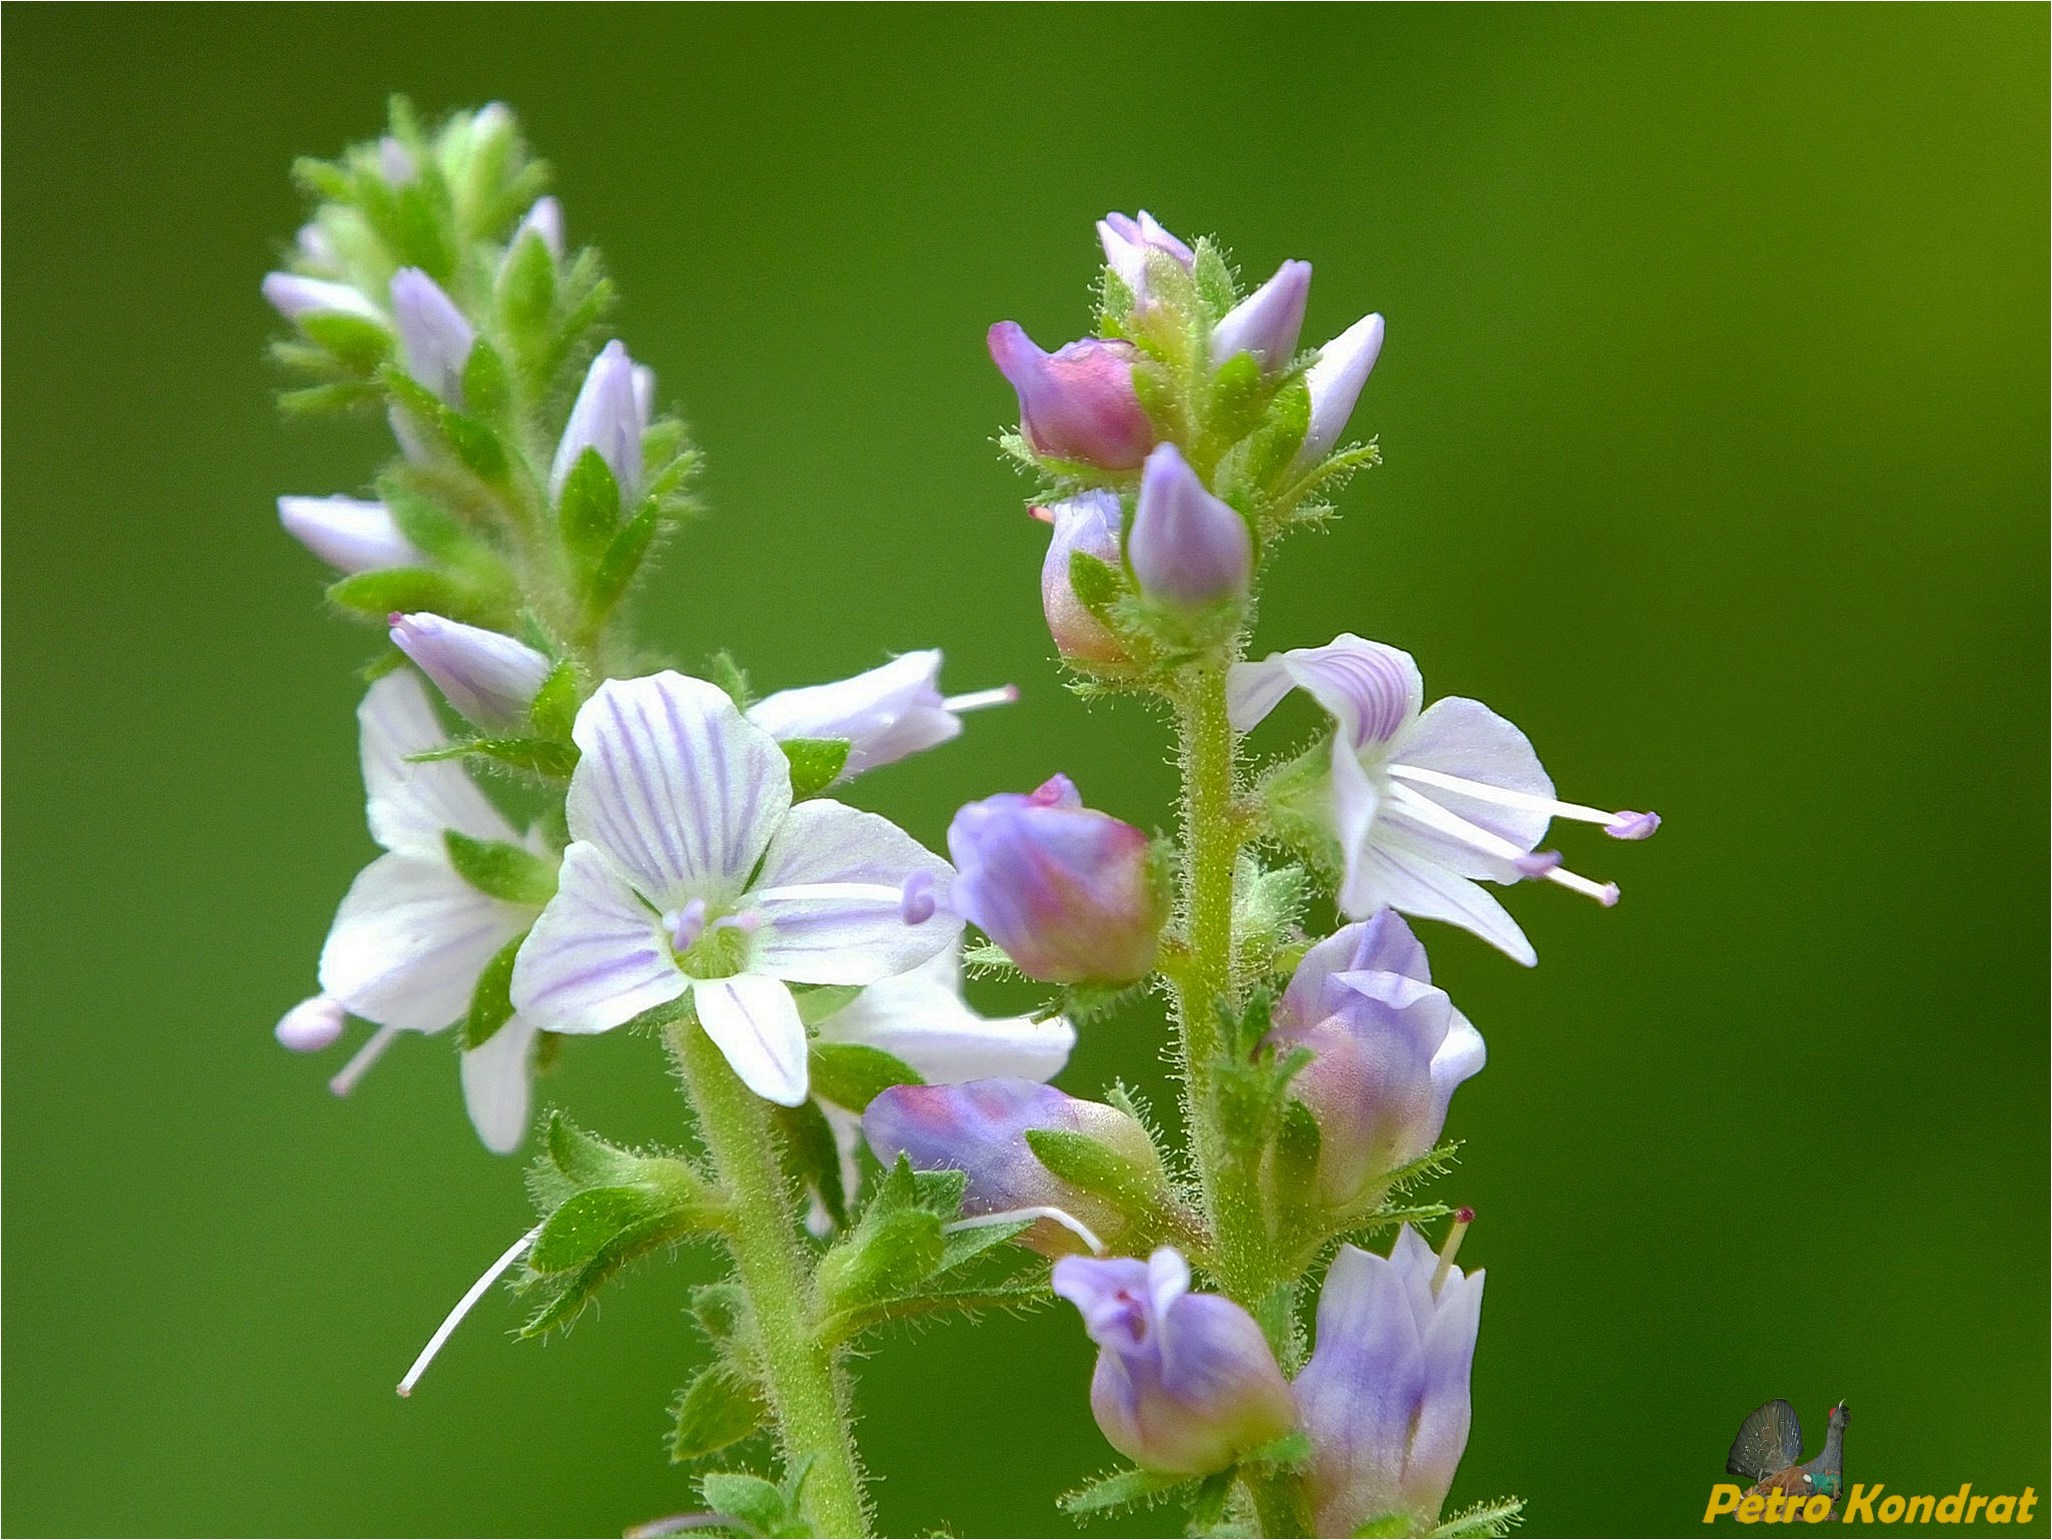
{"points": [[1128, 241], [1076, 403], [1068, 892], [1089, 524], [1185, 1383], [1189, 550]]}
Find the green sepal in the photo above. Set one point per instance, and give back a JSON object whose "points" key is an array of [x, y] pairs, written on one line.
{"points": [[1208, 1502], [554, 711], [500, 870], [815, 764], [812, 1156], [526, 291], [356, 342], [491, 1002], [588, 511], [617, 568], [851, 1075], [1281, 433], [476, 445], [1083, 1162], [486, 389], [1268, 909], [424, 522], [988, 960], [1388, 1524], [586, 1225], [335, 396], [1285, 1453], [764, 1508], [1483, 1521], [1239, 392], [552, 761], [895, 1245], [1096, 583], [720, 1407], [724, 670], [1119, 1490], [817, 1002], [1297, 1146], [378, 594], [1212, 276]]}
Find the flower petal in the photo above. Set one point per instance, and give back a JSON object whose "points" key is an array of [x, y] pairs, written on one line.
{"points": [[1443, 1418], [1381, 870], [676, 787], [884, 714], [755, 1022], [410, 940], [596, 957], [1371, 690], [498, 1086], [1360, 1390], [830, 894], [921, 1018], [1462, 737], [412, 805], [1255, 689]]}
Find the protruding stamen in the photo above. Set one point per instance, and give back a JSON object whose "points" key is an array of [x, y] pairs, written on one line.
{"points": [[455, 1317], [685, 925], [1451, 1246], [1062, 1217], [916, 901], [976, 700], [1503, 796], [1426, 811], [312, 1024], [748, 922], [372, 1050], [1045, 515], [1633, 826], [1538, 863]]}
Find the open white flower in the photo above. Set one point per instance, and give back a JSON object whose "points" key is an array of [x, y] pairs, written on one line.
{"points": [[412, 934], [690, 869], [1424, 802]]}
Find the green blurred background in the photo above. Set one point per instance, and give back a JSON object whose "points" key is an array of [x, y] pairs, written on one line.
{"points": [[1715, 414]]}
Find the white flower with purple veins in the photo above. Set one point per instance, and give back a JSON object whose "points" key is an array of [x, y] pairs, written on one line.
{"points": [[1425, 802], [691, 871], [882, 715], [412, 936]]}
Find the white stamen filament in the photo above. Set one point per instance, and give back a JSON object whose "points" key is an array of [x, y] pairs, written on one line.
{"points": [[1451, 1247], [1503, 796], [455, 1317], [1062, 1217], [1428, 812], [976, 700], [372, 1050]]}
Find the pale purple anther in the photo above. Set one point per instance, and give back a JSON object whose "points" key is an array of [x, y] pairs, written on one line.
{"points": [[1185, 1383], [1385, 1395], [1335, 380], [979, 1127], [918, 899], [1189, 549], [1078, 402], [435, 337], [610, 415], [883, 715], [491, 679], [1130, 244], [348, 533], [1267, 322], [1424, 802], [1067, 891], [1389, 1051], [296, 296], [684, 926], [1088, 524], [1633, 826], [312, 1025]]}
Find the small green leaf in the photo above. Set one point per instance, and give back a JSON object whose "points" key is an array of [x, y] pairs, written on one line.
{"points": [[475, 445], [549, 760], [815, 764], [617, 568], [722, 669], [527, 284], [720, 1407], [1121, 1489], [500, 870], [1214, 279], [1096, 583], [1083, 1162], [1207, 1503], [1238, 393], [588, 511], [486, 390], [585, 1224], [554, 711], [377, 594], [357, 342], [1289, 1451], [961, 1247], [491, 1002], [585, 1160], [1297, 1146], [754, 1501], [812, 1156], [886, 1256], [1275, 443], [851, 1074], [423, 521]]}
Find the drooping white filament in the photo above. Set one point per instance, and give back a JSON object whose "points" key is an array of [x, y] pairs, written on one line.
{"points": [[1062, 1217], [455, 1317]]}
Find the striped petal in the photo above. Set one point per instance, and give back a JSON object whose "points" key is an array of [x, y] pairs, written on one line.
{"points": [[596, 957], [755, 1023], [498, 1085], [410, 940], [412, 805], [1384, 870]]}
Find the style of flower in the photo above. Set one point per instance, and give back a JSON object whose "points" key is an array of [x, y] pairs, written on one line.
{"points": [[883, 715], [412, 935], [1390, 1049], [690, 871], [1185, 1383], [1385, 1395], [1423, 803]]}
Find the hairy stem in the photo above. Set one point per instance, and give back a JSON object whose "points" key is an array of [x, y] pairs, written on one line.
{"points": [[806, 1390]]}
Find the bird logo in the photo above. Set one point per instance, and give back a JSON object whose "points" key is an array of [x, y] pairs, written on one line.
{"points": [[1769, 1453]]}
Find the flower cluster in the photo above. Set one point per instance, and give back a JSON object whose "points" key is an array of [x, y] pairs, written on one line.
{"points": [[677, 866]]}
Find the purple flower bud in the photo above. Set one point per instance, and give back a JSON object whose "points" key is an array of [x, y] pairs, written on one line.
{"points": [[1076, 403], [1267, 321], [545, 219], [1189, 549], [979, 1128], [1385, 1396], [1089, 524], [1390, 1051], [883, 715], [1335, 382], [395, 162], [295, 297], [1068, 892], [434, 337], [312, 1024], [1127, 242], [1185, 1383], [490, 678], [347, 533], [610, 416]]}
